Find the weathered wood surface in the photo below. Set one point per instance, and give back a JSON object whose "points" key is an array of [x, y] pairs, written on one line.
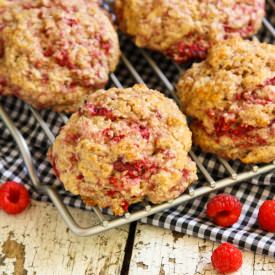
{"points": [[159, 251], [38, 242]]}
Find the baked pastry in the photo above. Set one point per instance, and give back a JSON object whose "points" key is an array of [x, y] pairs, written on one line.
{"points": [[54, 52], [124, 146], [185, 30], [231, 99]]}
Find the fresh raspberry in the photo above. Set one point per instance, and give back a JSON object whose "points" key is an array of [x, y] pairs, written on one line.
{"points": [[14, 197], [224, 209], [227, 258], [266, 216]]}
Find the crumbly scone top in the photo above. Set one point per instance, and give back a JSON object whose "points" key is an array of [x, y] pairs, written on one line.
{"points": [[124, 145], [238, 76], [231, 98], [56, 50], [187, 27]]}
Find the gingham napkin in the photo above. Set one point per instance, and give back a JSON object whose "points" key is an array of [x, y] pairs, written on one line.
{"points": [[189, 218]]}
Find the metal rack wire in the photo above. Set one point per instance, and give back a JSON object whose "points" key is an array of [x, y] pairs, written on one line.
{"points": [[106, 222]]}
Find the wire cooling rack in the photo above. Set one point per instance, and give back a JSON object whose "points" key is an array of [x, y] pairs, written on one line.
{"points": [[106, 222]]}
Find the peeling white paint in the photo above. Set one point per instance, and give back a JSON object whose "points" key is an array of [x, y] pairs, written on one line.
{"points": [[50, 249], [164, 252]]}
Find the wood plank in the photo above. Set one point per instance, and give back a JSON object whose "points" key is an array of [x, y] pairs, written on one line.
{"points": [[160, 251], [38, 242]]}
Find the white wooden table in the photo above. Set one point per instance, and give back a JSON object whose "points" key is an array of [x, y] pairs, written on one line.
{"points": [[37, 242]]}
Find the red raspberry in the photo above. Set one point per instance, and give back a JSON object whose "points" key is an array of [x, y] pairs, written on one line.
{"points": [[14, 197], [227, 258], [224, 209], [266, 216]]}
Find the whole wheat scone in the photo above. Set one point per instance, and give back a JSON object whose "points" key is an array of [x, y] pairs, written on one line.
{"points": [[124, 146], [185, 30], [231, 99], [54, 52]]}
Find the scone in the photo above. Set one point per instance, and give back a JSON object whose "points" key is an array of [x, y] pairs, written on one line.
{"points": [[124, 146], [231, 99], [185, 30], [54, 53]]}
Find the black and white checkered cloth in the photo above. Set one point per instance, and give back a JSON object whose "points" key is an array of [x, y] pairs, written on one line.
{"points": [[189, 218]]}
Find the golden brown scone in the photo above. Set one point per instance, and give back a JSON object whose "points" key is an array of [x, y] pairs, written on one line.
{"points": [[185, 30], [231, 99], [125, 145], [55, 52]]}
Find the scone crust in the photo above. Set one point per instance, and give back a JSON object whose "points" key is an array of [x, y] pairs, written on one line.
{"points": [[231, 99], [125, 145], [55, 52], [185, 30]]}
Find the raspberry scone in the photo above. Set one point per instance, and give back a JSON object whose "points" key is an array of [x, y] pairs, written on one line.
{"points": [[124, 146], [54, 52], [185, 30], [231, 99]]}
